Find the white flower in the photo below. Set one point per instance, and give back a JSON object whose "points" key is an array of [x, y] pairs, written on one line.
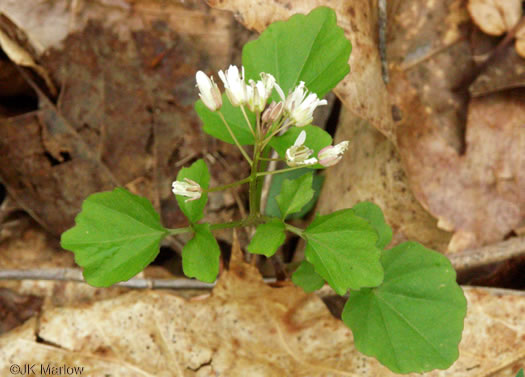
{"points": [[189, 188], [236, 88], [260, 91], [209, 91], [300, 106], [298, 153], [332, 154]]}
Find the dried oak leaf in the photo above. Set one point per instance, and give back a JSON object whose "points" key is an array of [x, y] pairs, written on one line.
{"points": [[245, 328], [363, 90], [495, 17], [479, 195], [126, 74]]}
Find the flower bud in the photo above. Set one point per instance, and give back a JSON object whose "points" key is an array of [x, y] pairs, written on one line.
{"points": [[298, 153], [209, 91], [272, 113], [332, 154], [188, 188]]}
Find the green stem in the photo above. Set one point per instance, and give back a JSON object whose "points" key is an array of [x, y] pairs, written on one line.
{"points": [[247, 120], [254, 209], [230, 185], [270, 159], [235, 139], [187, 229], [280, 171], [294, 229]]}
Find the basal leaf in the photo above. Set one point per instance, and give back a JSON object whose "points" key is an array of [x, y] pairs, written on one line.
{"points": [[272, 209], [520, 373], [316, 139], [198, 172], [374, 215], [200, 256], [268, 238], [413, 321], [214, 126], [306, 277], [309, 48], [295, 194], [342, 248], [117, 234]]}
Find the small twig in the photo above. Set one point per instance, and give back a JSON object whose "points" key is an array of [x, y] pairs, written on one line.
{"points": [[75, 275], [485, 255], [382, 39]]}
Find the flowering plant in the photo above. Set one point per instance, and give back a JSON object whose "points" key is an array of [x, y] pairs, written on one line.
{"points": [[404, 305]]}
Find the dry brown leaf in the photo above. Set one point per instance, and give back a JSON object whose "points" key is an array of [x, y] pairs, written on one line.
{"points": [[363, 90], [245, 328], [495, 17], [371, 170], [126, 72], [479, 195]]}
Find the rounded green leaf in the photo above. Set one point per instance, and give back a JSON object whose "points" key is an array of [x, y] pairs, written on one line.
{"points": [[413, 321], [116, 236], [374, 215], [214, 126], [316, 139], [309, 48], [268, 238], [295, 194], [198, 172], [200, 256], [272, 208], [342, 248], [306, 277]]}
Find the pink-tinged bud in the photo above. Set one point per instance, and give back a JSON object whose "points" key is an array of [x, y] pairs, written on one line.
{"points": [[209, 91], [188, 188], [332, 154], [272, 113]]}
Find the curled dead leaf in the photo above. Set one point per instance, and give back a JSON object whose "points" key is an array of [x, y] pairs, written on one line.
{"points": [[495, 17]]}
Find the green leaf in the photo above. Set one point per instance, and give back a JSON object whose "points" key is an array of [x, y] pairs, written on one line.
{"points": [[295, 194], [342, 248], [214, 126], [117, 234], [198, 172], [520, 373], [200, 256], [309, 48], [272, 208], [306, 278], [413, 321], [267, 238], [316, 139], [374, 215]]}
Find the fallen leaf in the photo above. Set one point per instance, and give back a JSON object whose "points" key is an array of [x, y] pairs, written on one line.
{"points": [[495, 17], [244, 328], [126, 73], [478, 195]]}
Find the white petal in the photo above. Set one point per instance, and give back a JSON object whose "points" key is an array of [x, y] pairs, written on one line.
{"points": [[300, 139]]}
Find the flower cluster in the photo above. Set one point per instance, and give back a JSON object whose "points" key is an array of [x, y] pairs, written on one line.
{"points": [[295, 109], [298, 106]]}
